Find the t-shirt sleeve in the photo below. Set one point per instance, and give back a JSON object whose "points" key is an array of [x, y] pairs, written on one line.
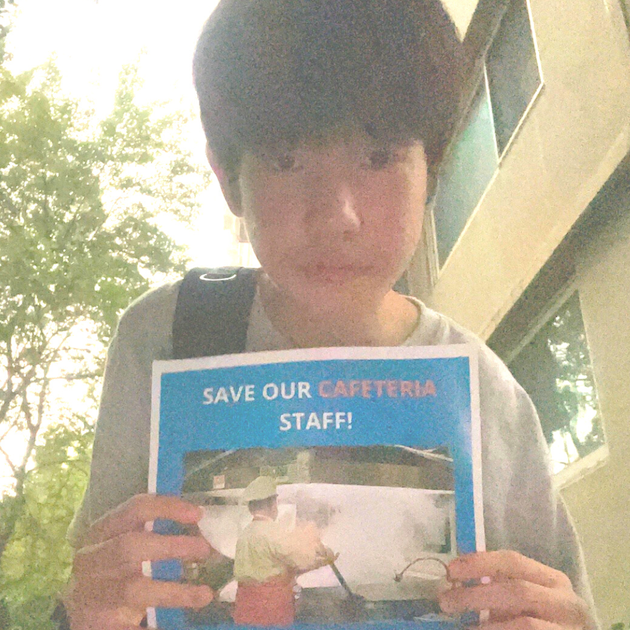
{"points": [[119, 467], [523, 510], [301, 548]]}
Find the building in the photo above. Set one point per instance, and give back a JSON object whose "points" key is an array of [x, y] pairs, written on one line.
{"points": [[240, 252], [527, 243]]}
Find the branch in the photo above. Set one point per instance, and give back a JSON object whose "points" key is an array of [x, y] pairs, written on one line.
{"points": [[12, 466], [25, 379], [46, 207], [10, 394], [9, 397], [42, 402], [70, 223], [82, 376], [55, 351], [28, 415], [81, 464], [20, 471], [4, 435], [6, 200], [45, 339]]}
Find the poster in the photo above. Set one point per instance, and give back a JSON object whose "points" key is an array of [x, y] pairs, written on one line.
{"points": [[336, 483]]}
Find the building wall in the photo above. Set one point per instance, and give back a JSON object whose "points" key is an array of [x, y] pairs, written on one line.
{"points": [[575, 135], [600, 501], [240, 252]]}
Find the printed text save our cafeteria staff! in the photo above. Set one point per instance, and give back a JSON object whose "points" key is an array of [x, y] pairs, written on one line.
{"points": [[360, 388]]}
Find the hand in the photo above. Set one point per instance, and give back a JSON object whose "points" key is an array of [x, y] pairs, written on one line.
{"points": [[330, 556], [520, 593], [108, 590], [326, 554]]}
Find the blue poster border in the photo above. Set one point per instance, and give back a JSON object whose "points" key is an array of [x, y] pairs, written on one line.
{"points": [[190, 414]]}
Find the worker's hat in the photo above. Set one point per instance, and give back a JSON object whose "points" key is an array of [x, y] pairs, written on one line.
{"points": [[259, 489]]}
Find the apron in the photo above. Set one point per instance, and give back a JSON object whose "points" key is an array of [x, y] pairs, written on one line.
{"points": [[269, 603]]}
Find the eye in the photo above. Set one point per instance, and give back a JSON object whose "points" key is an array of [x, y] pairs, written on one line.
{"points": [[284, 162], [380, 159]]}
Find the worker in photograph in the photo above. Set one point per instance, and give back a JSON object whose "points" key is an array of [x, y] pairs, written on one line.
{"points": [[268, 559]]}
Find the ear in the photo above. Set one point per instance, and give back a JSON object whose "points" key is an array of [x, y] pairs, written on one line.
{"points": [[229, 187]]}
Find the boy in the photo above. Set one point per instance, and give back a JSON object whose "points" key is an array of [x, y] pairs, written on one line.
{"points": [[325, 123]]}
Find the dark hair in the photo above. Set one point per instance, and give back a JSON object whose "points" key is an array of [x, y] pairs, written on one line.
{"points": [[280, 71], [262, 504]]}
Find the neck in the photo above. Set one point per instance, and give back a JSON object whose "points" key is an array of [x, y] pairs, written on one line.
{"points": [[385, 322]]}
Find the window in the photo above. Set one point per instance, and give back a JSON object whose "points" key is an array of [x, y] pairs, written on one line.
{"points": [[555, 370], [465, 175], [242, 232], [625, 9], [510, 83], [513, 71]]}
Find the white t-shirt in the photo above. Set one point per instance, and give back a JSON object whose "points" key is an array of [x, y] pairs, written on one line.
{"points": [[521, 509]]}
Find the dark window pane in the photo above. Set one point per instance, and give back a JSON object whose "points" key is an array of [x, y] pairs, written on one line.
{"points": [[555, 370], [465, 175], [513, 72], [625, 9]]}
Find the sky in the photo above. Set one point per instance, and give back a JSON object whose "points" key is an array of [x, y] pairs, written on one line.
{"points": [[92, 39]]}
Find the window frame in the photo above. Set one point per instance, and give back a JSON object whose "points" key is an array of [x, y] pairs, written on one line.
{"points": [[625, 12], [432, 237], [434, 258], [596, 459], [582, 467], [550, 309], [536, 93]]}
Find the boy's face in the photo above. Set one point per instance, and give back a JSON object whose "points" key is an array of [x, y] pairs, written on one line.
{"points": [[334, 225]]}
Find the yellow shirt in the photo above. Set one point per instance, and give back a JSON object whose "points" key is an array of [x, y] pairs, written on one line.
{"points": [[266, 549]]}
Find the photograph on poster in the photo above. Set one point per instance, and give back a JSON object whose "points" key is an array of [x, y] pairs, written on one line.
{"points": [[322, 534]]}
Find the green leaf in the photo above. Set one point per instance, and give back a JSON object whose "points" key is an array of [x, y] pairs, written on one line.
{"points": [[80, 203]]}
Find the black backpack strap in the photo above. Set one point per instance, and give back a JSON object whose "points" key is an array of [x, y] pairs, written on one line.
{"points": [[212, 312]]}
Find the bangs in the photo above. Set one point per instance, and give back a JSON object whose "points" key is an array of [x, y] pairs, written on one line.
{"points": [[300, 70]]}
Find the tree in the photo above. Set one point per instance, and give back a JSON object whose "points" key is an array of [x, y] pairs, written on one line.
{"points": [[37, 562], [5, 15], [80, 237], [555, 369]]}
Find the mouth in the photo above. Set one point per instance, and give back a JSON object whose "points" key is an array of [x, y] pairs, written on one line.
{"points": [[335, 272]]}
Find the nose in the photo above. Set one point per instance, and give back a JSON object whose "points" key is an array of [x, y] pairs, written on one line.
{"points": [[334, 209]]}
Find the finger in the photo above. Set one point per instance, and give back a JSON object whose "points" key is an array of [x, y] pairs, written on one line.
{"points": [[123, 556], [130, 617], [123, 618], [146, 593], [505, 565], [139, 510], [516, 598], [522, 623], [137, 594]]}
